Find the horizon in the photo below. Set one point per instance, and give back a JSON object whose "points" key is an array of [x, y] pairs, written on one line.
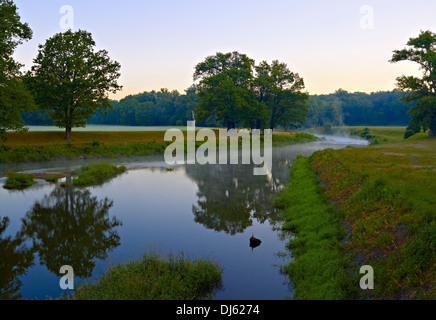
{"points": [[159, 44]]}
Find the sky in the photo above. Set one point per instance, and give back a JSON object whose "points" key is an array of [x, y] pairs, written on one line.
{"points": [[331, 44]]}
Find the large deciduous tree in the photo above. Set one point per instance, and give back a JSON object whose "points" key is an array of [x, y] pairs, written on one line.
{"points": [[281, 90], [72, 80], [14, 98], [421, 91], [224, 88]]}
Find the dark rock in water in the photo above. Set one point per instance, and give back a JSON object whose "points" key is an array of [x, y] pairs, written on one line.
{"points": [[254, 242]]}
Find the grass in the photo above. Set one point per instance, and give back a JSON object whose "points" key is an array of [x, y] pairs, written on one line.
{"points": [[318, 269], [95, 174], [386, 195], [282, 138], [82, 138], [156, 277], [44, 146], [19, 181], [381, 135]]}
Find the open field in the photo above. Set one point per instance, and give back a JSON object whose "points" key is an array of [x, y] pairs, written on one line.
{"points": [[55, 138], [385, 199], [385, 134], [42, 146]]}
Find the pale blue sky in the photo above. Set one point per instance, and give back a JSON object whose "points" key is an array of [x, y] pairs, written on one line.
{"points": [[158, 43]]}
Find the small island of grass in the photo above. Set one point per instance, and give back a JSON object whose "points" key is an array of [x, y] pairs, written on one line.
{"points": [[95, 174], [156, 277], [19, 181]]}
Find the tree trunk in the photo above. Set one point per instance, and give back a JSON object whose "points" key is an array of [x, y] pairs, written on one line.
{"points": [[231, 125], [272, 124], [432, 133], [68, 133]]}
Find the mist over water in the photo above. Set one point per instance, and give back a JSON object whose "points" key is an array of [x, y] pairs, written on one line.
{"points": [[341, 140]]}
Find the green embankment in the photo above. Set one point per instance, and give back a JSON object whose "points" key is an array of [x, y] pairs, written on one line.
{"points": [[319, 267], [385, 200]]}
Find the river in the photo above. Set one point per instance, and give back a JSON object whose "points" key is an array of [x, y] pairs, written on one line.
{"points": [[204, 211]]}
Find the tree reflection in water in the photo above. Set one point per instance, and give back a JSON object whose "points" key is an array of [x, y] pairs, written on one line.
{"points": [[15, 259], [230, 196], [71, 227]]}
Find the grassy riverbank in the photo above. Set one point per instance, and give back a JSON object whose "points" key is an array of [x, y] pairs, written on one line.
{"points": [[384, 215], [43, 146], [156, 277], [319, 267]]}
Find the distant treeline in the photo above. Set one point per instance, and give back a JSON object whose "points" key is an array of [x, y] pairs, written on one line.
{"points": [[384, 108], [170, 108]]}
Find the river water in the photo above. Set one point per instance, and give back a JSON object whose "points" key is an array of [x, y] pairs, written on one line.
{"points": [[203, 211]]}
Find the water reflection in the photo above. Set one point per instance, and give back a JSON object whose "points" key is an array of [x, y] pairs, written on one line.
{"points": [[230, 196], [71, 227], [15, 259]]}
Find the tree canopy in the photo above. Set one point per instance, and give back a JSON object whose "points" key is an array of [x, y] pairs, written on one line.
{"points": [[72, 80], [421, 91], [281, 91], [224, 88], [14, 98]]}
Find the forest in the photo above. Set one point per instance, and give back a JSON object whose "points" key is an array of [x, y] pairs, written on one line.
{"points": [[171, 108]]}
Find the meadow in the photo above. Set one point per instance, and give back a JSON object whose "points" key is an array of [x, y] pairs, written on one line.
{"points": [[51, 145], [364, 206]]}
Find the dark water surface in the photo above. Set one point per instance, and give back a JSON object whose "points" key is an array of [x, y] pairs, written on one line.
{"points": [[203, 211]]}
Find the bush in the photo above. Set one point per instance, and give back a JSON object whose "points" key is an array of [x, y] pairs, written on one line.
{"points": [[19, 181], [408, 134]]}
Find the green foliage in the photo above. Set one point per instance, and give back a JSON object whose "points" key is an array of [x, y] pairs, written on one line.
{"points": [[408, 134], [224, 89], [18, 181], [96, 174], [384, 108], [161, 108], [14, 98], [53, 179], [156, 277], [282, 93], [87, 78], [165, 108], [318, 270], [387, 196], [279, 139], [421, 91]]}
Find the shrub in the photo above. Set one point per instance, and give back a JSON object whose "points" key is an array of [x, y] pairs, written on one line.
{"points": [[408, 134], [19, 181]]}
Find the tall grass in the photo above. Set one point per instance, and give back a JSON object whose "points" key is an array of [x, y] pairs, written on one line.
{"points": [[18, 181], [318, 270], [388, 196], [156, 277], [97, 173]]}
